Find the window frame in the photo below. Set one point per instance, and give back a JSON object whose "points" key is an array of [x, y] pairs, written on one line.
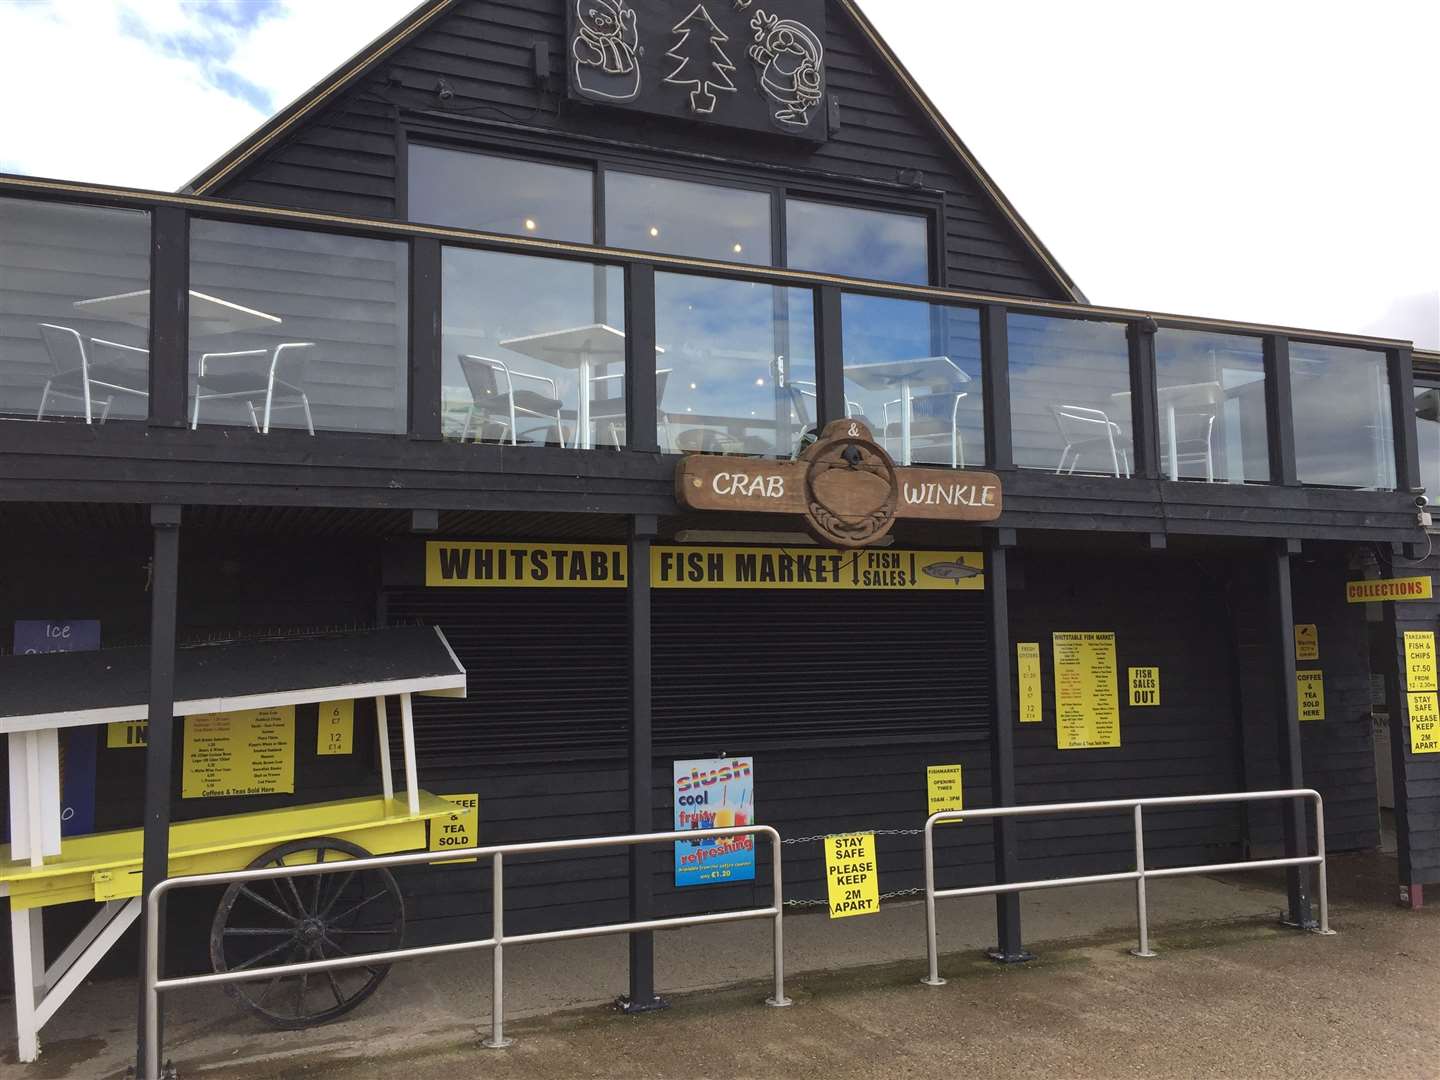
{"points": [[781, 183]]}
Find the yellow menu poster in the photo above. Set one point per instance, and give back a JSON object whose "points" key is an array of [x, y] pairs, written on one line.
{"points": [[1027, 665], [1087, 705], [240, 753], [1420, 660]]}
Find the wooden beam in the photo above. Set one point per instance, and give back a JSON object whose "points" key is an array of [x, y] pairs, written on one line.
{"points": [[425, 339], [1280, 411], [641, 407], [169, 316], [995, 384], [829, 356], [1144, 404], [1292, 770]]}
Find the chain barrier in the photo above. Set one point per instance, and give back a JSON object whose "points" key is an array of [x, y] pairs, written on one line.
{"points": [[877, 832], [897, 894]]}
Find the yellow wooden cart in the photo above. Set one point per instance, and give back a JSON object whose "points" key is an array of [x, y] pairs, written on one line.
{"points": [[279, 921]]}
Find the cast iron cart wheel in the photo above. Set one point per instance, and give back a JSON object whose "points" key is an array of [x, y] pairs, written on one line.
{"points": [[292, 920]]}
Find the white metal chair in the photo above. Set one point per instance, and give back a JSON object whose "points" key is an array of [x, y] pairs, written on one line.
{"points": [[929, 426], [612, 410], [280, 384], [506, 405], [76, 376], [1194, 441], [1083, 428]]}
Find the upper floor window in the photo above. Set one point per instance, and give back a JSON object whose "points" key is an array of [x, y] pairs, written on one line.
{"points": [[1343, 431], [854, 242], [1427, 430], [680, 217], [501, 194]]}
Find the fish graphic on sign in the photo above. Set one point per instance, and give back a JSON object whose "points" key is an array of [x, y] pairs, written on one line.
{"points": [[956, 571]]}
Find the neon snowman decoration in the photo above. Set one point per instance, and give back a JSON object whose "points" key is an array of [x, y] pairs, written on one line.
{"points": [[605, 48], [792, 67]]}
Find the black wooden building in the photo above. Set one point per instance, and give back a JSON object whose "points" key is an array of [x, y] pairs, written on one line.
{"points": [[489, 280]]}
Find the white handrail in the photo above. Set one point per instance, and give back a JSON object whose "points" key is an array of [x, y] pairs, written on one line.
{"points": [[496, 942], [1139, 875]]}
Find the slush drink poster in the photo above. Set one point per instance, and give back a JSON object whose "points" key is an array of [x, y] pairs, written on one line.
{"points": [[714, 794]]}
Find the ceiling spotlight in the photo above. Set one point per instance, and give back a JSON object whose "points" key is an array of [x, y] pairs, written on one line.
{"points": [[530, 224], [739, 249], [654, 230]]}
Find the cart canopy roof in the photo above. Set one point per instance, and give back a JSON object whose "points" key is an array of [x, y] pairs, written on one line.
{"points": [[54, 690]]}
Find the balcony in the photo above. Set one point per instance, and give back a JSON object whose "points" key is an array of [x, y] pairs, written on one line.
{"points": [[164, 348]]}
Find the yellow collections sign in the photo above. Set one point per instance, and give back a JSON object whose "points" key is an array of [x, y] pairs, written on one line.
{"points": [[1420, 660], [1310, 689], [126, 735], [241, 753], [1144, 686], [1424, 723], [851, 877], [945, 788], [814, 568], [598, 566], [1032, 693], [1087, 707], [1307, 641], [335, 733], [524, 566], [1378, 592]]}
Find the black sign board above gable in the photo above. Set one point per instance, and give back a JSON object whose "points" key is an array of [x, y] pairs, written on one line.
{"points": [[758, 65]]}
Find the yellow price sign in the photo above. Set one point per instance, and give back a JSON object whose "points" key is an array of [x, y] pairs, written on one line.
{"points": [[1032, 694], [1310, 689], [1424, 723], [1087, 706], [1420, 660], [335, 732], [852, 878]]}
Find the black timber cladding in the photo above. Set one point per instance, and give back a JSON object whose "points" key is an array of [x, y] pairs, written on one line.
{"points": [[1417, 780], [346, 157]]}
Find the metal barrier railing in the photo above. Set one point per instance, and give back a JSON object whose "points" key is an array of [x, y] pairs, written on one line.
{"points": [[1139, 875], [497, 942]]}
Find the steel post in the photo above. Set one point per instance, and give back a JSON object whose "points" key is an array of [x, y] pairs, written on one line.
{"points": [[1142, 912], [497, 1039]]}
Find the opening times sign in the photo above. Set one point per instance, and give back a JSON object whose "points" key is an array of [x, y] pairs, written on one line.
{"points": [[1087, 701]]}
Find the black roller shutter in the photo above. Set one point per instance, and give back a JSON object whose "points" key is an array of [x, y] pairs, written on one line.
{"points": [[738, 670]]}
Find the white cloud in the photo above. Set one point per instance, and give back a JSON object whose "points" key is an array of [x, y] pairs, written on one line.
{"points": [[1272, 161]]}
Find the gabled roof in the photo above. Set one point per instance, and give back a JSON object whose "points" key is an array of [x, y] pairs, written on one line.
{"points": [[421, 18]]}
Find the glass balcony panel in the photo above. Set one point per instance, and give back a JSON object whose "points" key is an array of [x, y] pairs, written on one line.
{"points": [[1343, 432], [1211, 392], [1427, 429], [297, 330], [737, 366], [1070, 395], [533, 351], [912, 375], [74, 312]]}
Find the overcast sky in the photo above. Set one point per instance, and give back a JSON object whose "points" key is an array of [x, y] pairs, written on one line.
{"points": [[1250, 159]]}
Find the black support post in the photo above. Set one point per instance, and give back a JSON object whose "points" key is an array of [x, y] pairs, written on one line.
{"points": [[1292, 771], [169, 316], [1402, 408], [1144, 402], [995, 380], [642, 996], [641, 408], [164, 593], [425, 360], [829, 356], [1008, 948], [1280, 411]]}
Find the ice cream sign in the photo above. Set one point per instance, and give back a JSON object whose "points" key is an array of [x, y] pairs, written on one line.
{"points": [[756, 64]]}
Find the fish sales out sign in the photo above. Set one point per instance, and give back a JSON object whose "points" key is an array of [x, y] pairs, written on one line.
{"points": [[714, 794]]}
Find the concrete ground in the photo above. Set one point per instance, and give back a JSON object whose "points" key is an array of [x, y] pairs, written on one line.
{"points": [[1232, 994]]}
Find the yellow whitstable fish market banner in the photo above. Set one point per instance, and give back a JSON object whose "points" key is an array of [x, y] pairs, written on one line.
{"points": [[604, 566]]}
